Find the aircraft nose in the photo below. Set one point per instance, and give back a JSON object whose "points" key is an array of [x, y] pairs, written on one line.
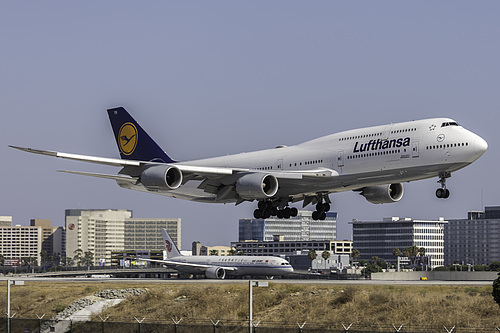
{"points": [[480, 145]]}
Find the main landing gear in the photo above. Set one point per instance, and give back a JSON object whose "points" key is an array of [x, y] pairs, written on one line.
{"points": [[321, 210], [443, 192], [268, 208]]}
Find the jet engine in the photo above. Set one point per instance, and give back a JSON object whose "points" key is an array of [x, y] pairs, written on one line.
{"points": [[161, 177], [257, 186], [215, 273], [383, 193]]}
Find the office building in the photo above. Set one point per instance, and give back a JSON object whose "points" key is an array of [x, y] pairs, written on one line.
{"points": [[474, 240], [299, 228], [53, 238], [102, 231], [280, 247], [19, 242], [380, 238]]}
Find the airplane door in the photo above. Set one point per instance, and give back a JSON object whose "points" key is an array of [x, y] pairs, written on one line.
{"points": [[280, 164], [340, 159], [415, 152]]}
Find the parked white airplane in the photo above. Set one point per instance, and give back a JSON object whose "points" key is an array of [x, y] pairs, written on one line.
{"points": [[374, 161], [216, 267]]}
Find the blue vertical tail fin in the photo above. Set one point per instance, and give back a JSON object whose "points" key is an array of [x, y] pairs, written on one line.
{"points": [[133, 142], [172, 250]]}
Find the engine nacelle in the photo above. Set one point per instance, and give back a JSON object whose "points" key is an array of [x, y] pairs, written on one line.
{"points": [[256, 186], [383, 193], [215, 273], [161, 177]]}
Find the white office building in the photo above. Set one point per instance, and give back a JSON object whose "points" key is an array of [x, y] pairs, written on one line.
{"points": [[299, 228], [102, 231], [18, 242]]}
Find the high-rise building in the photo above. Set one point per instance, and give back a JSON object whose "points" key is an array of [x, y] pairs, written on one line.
{"points": [[380, 238], [474, 240], [299, 228], [20, 242], [102, 231], [52, 237]]}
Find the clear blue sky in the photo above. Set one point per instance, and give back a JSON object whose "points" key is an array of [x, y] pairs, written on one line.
{"points": [[208, 78]]}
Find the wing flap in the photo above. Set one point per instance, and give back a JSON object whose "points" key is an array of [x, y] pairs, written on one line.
{"points": [[102, 175]]}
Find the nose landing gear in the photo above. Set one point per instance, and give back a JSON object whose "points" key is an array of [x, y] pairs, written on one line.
{"points": [[443, 192]]}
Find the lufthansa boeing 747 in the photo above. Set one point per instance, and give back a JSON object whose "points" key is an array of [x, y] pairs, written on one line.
{"points": [[374, 161]]}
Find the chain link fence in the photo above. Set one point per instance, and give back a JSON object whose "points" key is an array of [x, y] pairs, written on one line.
{"points": [[141, 325]]}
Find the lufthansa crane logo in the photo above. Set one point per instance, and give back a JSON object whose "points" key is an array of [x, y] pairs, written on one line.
{"points": [[168, 246], [127, 138]]}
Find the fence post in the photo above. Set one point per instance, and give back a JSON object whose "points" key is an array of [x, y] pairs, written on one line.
{"points": [[346, 329], [102, 323], [397, 329], [215, 325], [139, 322], [40, 322], [447, 330], [176, 323], [255, 326]]}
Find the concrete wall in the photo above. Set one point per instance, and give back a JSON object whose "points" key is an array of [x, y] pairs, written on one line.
{"points": [[436, 276]]}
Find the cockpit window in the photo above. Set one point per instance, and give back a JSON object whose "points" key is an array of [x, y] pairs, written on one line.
{"points": [[450, 123]]}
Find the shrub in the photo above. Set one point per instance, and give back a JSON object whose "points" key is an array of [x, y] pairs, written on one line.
{"points": [[496, 290]]}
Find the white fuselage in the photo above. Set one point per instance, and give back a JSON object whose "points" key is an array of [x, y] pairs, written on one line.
{"points": [[379, 155], [244, 265]]}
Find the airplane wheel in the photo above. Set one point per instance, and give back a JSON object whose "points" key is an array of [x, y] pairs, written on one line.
{"points": [[322, 216], [446, 194], [262, 205], [326, 207], [287, 213], [257, 214], [266, 214], [315, 215], [280, 214], [294, 211], [320, 207], [440, 193]]}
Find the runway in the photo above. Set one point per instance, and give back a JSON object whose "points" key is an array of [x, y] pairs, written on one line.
{"points": [[241, 281]]}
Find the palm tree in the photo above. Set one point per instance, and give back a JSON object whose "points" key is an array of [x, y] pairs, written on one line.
{"points": [[88, 258], [396, 252], [325, 255], [375, 259], [214, 252], [355, 254], [312, 254], [232, 252], [421, 251], [78, 257]]}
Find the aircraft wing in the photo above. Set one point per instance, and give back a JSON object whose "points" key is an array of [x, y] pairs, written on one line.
{"points": [[124, 163], [177, 264], [199, 171]]}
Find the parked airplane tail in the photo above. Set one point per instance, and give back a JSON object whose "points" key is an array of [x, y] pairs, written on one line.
{"points": [[172, 250], [133, 142]]}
